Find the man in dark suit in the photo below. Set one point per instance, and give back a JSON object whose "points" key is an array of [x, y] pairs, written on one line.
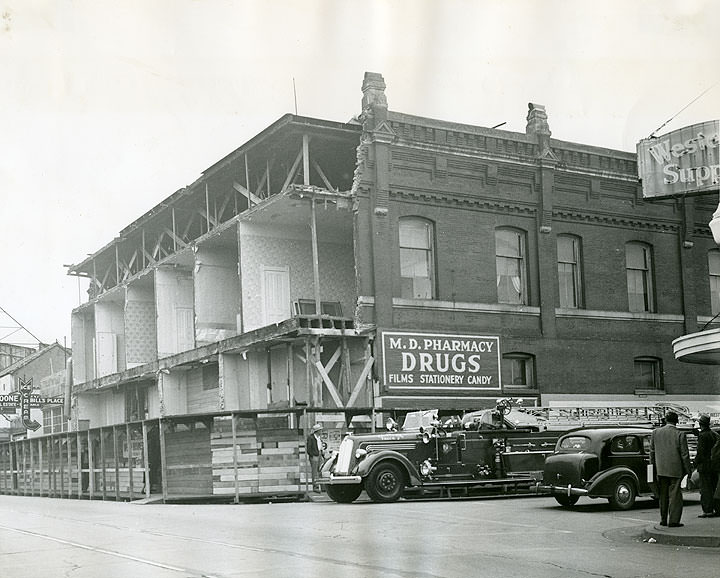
{"points": [[671, 459], [708, 477], [314, 447]]}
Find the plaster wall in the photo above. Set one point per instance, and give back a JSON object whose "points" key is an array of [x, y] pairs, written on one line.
{"points": [[217, 295], [140, 325], [175, 314], [293, 249], [109, 337]]}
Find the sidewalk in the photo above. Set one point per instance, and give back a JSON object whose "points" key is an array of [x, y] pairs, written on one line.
{"points": [[703, 532]]}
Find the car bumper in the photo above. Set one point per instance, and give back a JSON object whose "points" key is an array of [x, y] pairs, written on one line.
{"points": [[560, 490], [340, 480]]}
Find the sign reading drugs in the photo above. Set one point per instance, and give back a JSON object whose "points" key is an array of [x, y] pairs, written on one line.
{"points": [[681, 162], [439, 361]]}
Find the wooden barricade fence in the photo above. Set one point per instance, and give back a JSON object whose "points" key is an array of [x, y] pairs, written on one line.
{"points": [[228, 456]]}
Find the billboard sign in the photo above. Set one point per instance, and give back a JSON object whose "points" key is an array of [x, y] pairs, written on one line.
{"points": [[681, 162], [435, 361]]}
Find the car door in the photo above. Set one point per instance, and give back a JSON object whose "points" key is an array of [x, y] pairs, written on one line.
{"points": [[631, 450]]}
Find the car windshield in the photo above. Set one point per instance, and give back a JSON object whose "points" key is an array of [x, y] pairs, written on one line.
{"points": [[574, 443]]}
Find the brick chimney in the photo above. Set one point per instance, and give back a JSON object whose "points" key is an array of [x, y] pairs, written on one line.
{"points": [[374, 102], [537, 125]]}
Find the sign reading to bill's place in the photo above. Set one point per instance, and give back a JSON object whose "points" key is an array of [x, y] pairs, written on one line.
{"points": [[681, 162], [438, 361]]}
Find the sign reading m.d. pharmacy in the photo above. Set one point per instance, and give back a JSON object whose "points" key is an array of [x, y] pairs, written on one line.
{"points": [[440, 361], [682, 162]]}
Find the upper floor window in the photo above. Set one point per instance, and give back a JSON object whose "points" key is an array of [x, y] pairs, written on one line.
{"points": [[510, 266], [648, 373], [638, 263], [518, 370], [417, 276], [714, 272], [569, 271]]}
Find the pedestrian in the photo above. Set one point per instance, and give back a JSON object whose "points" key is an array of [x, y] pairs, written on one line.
{"points": [[671, 461], [707, 438], [314, 447]]}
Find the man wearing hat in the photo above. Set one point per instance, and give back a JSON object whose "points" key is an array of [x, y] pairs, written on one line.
{"points": [[670, 456], [708, 477], [314, 447]]}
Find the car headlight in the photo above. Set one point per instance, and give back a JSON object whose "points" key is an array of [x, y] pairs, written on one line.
{"points": [[360, 453]]}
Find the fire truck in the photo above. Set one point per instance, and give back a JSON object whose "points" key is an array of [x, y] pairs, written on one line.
{"points": [[429, 456]]}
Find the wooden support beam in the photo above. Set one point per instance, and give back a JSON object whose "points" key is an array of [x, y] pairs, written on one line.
{"points": [[68, 441], [91, 467], [249, 195], [361, 381], [333, 360], [128, 441], [328, 383], [315, 258], [293, 171], [78, 461], [176, 240], [146, 459], [306, 159], [325, 180], [163, 459], [207, 207], [233, 420]]}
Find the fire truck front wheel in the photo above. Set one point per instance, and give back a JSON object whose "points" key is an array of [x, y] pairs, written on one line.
{"points": [[344, 494], [385, 482]]}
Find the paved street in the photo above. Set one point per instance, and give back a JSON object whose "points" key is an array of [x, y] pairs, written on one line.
{"points": [[520, 537]]}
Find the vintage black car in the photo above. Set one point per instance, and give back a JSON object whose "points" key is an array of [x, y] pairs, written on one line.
{"points": [[600, 462], [431, 456]]}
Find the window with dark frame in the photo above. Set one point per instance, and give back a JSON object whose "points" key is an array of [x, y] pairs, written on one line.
{"points": [[638, 262], [417, 275], [714, 275], [569, 272], [648, 373], [518, 370], [510, 266]]}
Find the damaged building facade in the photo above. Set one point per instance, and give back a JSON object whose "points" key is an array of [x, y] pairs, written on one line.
{"points": [[400, 224], [334, 272]]}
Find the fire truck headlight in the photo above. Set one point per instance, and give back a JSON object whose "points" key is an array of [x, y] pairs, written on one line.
{"points": [[426, 468], [360, 453]]}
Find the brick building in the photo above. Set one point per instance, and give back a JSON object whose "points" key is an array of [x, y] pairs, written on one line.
{"points": [[396, 261]]}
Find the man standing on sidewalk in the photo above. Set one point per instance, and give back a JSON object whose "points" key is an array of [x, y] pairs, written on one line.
{"points": [[708, 477], [314, 447], [670, 456]]}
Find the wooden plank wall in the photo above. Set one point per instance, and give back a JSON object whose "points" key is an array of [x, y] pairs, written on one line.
{"points": [[188, 459], [231, 456], [265, 460]]}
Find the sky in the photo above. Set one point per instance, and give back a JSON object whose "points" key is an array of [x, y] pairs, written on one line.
{"points": [[107, 108]]}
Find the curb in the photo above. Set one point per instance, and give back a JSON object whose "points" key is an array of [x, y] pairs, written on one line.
{"points": [[680, 537]]}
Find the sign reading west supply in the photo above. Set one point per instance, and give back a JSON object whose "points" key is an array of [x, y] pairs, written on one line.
{"points": [[440, 361], [682, 162]]}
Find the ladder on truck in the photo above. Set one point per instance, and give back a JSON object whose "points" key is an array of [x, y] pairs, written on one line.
{"points": [[563, 418]]}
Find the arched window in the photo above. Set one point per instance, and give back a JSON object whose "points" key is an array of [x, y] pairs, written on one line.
{"points": [[417, 275], [639, 267], [570, 271], [510, 266], [518, 370], [714, 273], [648, 373]]}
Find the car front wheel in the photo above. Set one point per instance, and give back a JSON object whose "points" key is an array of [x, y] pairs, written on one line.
{"points": [[385, 483], [623, 496], [344, 494]]}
